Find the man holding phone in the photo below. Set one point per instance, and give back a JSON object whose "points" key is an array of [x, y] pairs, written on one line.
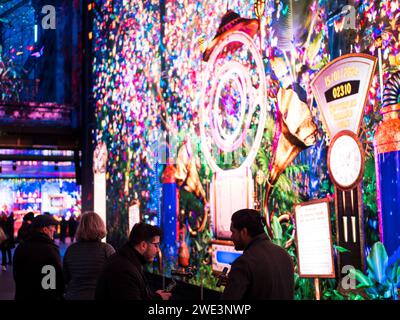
{"points": [[264, 271], [123, 276]]}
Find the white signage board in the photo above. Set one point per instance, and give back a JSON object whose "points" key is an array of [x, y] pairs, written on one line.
{"points": [[314, 242], [134, 216]]}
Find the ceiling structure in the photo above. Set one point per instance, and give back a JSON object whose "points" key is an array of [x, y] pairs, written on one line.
{"points": [[39, 90]]}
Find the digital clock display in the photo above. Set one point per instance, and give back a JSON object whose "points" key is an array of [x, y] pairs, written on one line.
{"points": [[341, 90]]}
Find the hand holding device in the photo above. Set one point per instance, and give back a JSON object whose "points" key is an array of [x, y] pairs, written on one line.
{"points": [[223, 278], [171, 286]]}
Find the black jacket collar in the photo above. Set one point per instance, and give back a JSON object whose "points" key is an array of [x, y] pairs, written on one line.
{"points": [[258, 238], [132, 254], [40, 237]]}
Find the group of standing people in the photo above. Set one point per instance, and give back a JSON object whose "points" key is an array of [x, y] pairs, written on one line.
{"points": [[6, 237], [7, 240], [92, 269], [38, 271], [68, 228]]}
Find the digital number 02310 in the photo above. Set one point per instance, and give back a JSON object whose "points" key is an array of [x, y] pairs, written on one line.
{"points": [[342, 90]]}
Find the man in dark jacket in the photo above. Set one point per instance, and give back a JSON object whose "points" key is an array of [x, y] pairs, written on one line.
{"points": [[63, 229], [264, 271], [72, 225], [7, 224], [23, 231], [37, 263], [123, 276]]}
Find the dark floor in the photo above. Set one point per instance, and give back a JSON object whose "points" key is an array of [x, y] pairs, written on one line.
{"points": [[6, 278], [6, 284]]}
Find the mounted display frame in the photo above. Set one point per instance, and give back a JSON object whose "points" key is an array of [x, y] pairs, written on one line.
{"points": [[223, 255], [57, 201], [310, 217], [341, 90]]}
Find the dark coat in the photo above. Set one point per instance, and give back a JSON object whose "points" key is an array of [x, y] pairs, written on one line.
{"points": [[123, 278], [7, 223], [23, 231], [263, 272], [63, 228], [37, 251], [83, 262], [72, 225]]}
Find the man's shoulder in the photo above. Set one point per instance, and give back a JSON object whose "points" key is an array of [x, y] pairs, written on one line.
{"points": [[272, 253], [37, 251], [277, 249], [241, 262], [263, 248], [118, 261], [50, 249], [119, 267], [25, 246]]}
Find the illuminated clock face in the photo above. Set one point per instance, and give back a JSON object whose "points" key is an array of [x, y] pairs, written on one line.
{"points": [[345, 161]]}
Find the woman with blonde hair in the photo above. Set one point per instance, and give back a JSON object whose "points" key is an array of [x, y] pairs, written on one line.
{"points": [[84, 259]]}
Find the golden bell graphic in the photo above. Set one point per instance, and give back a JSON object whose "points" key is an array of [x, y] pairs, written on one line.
{"points": [[295, 131]]}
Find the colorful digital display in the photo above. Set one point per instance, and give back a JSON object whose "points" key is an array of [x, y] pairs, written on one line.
{"points": [[148, 76], [56, 196], [39, 64]]}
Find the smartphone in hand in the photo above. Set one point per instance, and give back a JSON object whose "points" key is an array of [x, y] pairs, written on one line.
{"points": [[171, 286], [222, 277]]}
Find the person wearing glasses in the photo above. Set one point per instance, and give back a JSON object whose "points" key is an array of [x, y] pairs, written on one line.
{"points": [[123, 277]]}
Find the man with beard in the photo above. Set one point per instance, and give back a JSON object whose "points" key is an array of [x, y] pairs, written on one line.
{"points": [[264, 271], [123, 276]]}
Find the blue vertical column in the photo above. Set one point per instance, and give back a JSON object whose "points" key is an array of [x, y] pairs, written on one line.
{"points": [[170, 207], [387, 159]]}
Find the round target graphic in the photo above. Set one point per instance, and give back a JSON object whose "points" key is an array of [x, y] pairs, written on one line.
{"points": [[233, 103]]}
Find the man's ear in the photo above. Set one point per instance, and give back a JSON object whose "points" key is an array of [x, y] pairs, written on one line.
{"points": [[143, 245]]}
